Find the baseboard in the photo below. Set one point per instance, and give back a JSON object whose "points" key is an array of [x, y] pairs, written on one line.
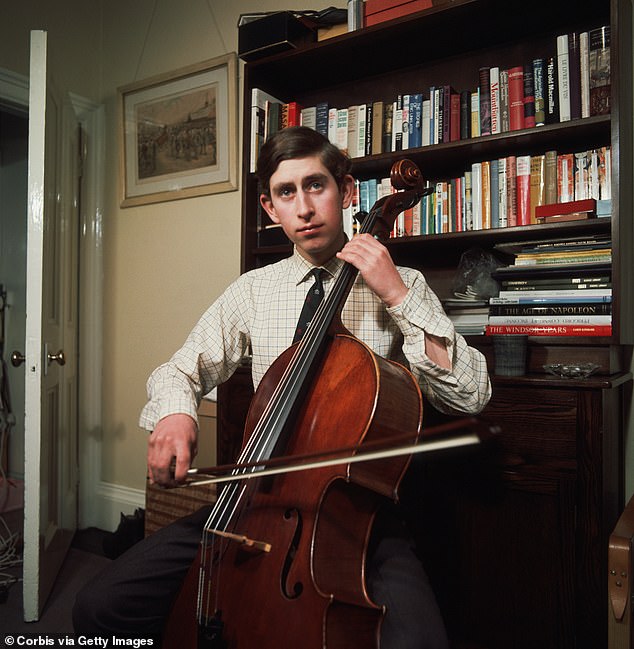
{"points": [[111, 501]]}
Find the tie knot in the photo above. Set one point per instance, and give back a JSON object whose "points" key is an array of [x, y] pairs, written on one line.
{"points": [[317, 273]]}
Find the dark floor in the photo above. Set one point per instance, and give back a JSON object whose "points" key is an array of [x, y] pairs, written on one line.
{"points": [[84, 560]]}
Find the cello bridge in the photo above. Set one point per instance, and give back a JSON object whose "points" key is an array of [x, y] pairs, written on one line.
{"points": [[250, 545]]}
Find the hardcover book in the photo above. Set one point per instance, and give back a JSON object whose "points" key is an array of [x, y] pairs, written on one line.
{"points": [[550, 180], [584, 72], [574, 75], [475, 113], [511, 191], [494, 78], [516, 98], [537, 184], [539, 83], [600, 84], [552, 91], [485, 100], [570, 207], [565, 178], [259, 100], [563, 78], [550, 330], [523, 190], [465, 115], [502, 193], [505, 124], [529, 96], [454, 117], [377, 127]]}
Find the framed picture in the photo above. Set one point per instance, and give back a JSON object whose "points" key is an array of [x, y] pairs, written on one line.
{"points": [[179, 133]]}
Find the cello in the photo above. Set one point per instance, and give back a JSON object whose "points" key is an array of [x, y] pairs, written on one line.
{"points": [[282, 558]]}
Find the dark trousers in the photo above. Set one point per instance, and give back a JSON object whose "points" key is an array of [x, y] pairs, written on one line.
{"points": [[133, 595]]}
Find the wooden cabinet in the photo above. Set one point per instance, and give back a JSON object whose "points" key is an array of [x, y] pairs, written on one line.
{"points": [[515, 535]]}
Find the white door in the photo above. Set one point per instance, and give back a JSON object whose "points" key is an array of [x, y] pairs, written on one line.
{"points": [[50, 468]]}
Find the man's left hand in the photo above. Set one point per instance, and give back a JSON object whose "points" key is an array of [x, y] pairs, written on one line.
{"points": [[372, 259]]}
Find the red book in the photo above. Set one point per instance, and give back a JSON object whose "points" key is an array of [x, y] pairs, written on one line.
{"points": [[523, 183], [459, 205], [570, 207], [516, 98], [293, 114], [549, 330], [454, 117]]}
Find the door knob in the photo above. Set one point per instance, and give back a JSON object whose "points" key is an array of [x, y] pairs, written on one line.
{"points": [[59, 358], [17, 359]]}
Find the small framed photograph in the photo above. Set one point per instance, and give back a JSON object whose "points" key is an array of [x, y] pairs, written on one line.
{"points": [[179, 133]]}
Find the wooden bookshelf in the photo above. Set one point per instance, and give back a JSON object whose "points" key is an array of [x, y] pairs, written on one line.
{"points": [[520, 561]]}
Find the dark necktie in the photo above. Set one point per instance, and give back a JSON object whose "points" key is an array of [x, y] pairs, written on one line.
{"points": [[313, 298]]}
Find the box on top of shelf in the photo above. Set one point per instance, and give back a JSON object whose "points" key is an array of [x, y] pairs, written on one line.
{"points": [[378, 11], [271, 34]]}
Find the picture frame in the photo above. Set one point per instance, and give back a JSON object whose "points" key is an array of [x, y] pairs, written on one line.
{"points": [[179, 133]]}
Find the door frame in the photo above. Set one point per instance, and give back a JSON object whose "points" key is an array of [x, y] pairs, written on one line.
{"points": [[14, 91]]}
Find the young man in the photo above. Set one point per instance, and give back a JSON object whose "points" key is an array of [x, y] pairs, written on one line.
{"points": [[307, 184]]}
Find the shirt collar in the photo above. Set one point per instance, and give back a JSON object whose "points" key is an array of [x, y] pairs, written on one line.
{"points": [[301, 267]]}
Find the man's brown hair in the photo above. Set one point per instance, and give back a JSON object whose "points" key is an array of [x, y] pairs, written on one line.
{"points": [[296, 142]]}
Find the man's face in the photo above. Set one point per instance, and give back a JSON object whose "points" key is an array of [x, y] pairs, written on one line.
{"points": [[307, 202]]}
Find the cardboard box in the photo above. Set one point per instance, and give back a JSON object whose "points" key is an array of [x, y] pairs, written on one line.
{"points": [[271, 34], [323, 33], [378, 11]]}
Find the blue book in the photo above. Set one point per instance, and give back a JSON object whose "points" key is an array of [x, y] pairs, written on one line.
{"points": [[322, 118], [415, 120]]}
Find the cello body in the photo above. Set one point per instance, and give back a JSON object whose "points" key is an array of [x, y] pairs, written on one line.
{"points": [[309, 590]]}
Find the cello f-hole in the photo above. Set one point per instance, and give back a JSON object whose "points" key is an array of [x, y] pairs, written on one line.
{"points": [[295, 590]]}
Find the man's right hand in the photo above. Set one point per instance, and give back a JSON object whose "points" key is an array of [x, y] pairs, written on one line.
{"points": [[174, 438]]}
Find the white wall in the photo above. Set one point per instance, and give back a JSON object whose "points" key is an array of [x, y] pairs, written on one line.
{"points": [[164, 263]]}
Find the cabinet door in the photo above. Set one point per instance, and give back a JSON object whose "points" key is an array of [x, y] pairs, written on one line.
{"points": [[514, 535], [498, 546]]}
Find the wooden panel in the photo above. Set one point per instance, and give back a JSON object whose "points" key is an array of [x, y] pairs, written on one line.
{"points": [[164, 506], [540, 425]]}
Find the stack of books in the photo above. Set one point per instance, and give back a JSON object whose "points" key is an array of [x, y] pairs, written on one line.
{"points": [[555, 288], [469, 316]]}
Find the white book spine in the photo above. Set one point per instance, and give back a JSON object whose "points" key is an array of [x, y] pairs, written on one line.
{"points": [[563, 77], [502, 193], [494, 74], [425, 122], [584, 60], [476, 195]]}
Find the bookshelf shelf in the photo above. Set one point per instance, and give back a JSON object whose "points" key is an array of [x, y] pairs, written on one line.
{"points": [[537, 512]]}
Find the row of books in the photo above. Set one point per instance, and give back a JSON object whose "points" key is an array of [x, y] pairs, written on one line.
{"points": [[572, 81], [553, 287], [510, 191]]}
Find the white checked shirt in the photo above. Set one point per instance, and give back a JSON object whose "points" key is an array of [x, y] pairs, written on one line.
{"points": [[261, 309]]}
